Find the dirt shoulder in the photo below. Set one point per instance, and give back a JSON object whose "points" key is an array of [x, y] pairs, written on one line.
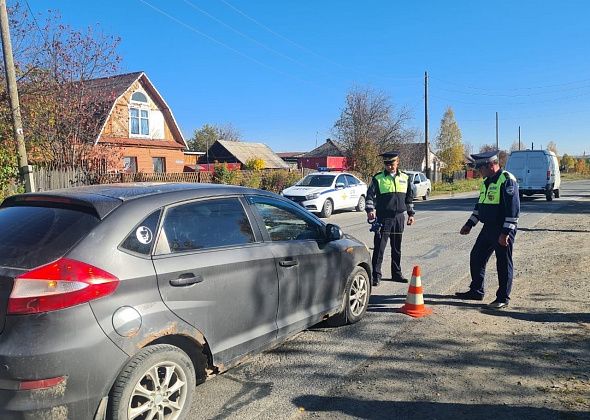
{"points": [[529, 361]]}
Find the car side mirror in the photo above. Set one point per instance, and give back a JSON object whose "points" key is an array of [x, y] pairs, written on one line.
{"points": [[417, 181], [333, 232], [340, 185]]}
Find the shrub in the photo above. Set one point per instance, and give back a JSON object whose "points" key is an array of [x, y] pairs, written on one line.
{"points": [[255, 164]]}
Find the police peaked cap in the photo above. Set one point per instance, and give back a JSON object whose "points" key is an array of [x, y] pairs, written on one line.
{"points": [[483, 159], [389, 156]]}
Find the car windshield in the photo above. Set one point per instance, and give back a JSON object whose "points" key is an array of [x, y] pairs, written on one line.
{"points": [[316, 181]]}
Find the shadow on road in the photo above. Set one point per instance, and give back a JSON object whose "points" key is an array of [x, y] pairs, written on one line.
{"points": [[390, 304], [375, 409]]}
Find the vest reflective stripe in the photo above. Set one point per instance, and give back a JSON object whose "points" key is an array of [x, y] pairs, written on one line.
{"points": [[491, 194], [389, 184]]}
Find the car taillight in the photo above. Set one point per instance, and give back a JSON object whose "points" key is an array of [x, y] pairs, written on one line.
{"points": [[58, 285], [548, 175]]}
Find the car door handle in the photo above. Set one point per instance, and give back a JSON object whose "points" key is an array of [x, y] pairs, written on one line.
{"points": [[186, 279], [288, 263]]}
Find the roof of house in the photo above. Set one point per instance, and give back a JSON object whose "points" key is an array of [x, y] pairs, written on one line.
{"points": [[284, 155], [244, 152], [104, 93], [411, 156], [329, 148]]}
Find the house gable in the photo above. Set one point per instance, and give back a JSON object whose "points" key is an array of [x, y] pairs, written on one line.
{"points": [[155, 143], [163, 130]]}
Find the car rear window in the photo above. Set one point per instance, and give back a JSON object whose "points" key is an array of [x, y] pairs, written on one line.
{"points": [[32, 236]]}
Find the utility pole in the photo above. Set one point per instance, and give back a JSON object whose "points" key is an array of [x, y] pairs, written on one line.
{"points": [[426, 144], [25, 169], [519, 137], [497, 142]]}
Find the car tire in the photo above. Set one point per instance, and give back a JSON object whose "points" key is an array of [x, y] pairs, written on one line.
{"points": [[556, 193], [361, 204], [139, 374], [327, 208], [549, 195], [425, 196], [356, 298]]}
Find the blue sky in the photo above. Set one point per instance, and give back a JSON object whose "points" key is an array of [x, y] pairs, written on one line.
{"points": [[278, 71]]}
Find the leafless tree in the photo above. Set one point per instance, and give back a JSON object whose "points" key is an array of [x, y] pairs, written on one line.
{"points": [[368, 125]]}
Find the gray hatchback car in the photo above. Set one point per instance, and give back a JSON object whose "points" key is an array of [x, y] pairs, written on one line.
{"points": [[117, 300]]}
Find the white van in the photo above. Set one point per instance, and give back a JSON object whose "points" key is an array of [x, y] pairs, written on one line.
{"points": [[537, 172]]}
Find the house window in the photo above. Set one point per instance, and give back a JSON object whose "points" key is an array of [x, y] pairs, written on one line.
{"points": [[130, 164], [159, 164], [139, 117]]}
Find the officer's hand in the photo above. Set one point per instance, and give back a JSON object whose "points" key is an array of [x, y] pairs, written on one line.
{"points": [[465, 229], [411, 221], [503, 239], [371, 215]]}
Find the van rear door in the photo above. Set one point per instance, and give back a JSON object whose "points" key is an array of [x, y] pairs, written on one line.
{"points": [[537, 165], [517, 167]]}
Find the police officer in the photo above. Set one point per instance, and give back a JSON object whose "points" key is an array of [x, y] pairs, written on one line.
{"points": [[388, 197], [498, 208]]}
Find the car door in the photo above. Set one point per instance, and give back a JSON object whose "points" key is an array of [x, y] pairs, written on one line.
{"points": [[425, 184], [215, 272], [342, 193], [308, 266], [355, 190]]}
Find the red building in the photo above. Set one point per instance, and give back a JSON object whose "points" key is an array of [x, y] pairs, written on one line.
{"points": [[328, 155]]}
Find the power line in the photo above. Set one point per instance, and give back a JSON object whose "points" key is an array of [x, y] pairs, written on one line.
{"points": [[513, 95], [512, 103], [224, 45], [511, 89], [303, 48], [243, 34]]}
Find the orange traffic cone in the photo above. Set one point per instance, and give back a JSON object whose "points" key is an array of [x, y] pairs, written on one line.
{"points": [[414, 305]]}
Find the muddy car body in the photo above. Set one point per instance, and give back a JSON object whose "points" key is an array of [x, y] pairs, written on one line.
{"points": [[118, 299]]}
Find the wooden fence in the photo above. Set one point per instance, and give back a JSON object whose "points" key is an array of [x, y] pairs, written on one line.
{"points": [[50, 179]]}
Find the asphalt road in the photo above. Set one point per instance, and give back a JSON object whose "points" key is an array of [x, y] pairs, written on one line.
{"points": [[268, 385]]}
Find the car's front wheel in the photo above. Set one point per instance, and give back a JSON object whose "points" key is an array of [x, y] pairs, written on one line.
{"points": [[158, 383], [356, 298], [425, 196], [327, 209], [361, 204]]}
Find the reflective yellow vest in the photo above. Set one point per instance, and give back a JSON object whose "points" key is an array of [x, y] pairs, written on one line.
{"points": [[390, 184], [491, 194]]}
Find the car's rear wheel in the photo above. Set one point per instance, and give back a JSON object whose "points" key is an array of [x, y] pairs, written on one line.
{"points": [[157, 383], [556, 193], [361, 204], [356, 298], [425, 196], [549, 195], [327, 209]]}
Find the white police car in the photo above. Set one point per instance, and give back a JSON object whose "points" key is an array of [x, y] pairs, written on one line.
{"points": [[324, 192]]}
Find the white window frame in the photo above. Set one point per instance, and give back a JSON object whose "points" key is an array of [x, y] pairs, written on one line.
{"points": [[139, 106]]}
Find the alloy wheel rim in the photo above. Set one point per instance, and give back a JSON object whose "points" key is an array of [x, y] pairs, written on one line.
{"points": [[358, 294], [160, 394]]}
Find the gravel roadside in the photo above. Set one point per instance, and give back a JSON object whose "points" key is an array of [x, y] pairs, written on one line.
{"points": [[531, 360]]}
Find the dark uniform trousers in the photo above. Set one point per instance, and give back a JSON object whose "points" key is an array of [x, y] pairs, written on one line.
{"points": [[486, 243], [392, 230]]}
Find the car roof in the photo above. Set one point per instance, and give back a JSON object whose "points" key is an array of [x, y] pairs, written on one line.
{"points": [[330, 173], [104, 198], [412, 172]]}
